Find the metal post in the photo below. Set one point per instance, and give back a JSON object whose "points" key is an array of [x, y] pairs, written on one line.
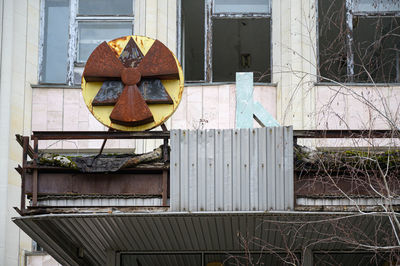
{"points": [[208, 41], [165, 188], [349, 40], [35, 172], [24, 160]]}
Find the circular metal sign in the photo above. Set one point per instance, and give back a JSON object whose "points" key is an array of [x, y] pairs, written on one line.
{"points": [[132, 83]]}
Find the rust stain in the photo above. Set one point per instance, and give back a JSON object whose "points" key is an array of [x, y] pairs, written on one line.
{"points": [[159, 63], [102, 64], [118, 45], [131, 109]]}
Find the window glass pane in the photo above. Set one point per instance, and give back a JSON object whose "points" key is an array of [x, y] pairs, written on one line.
{"points": [[234, 51], [332, 40], [376, 45], [105, 7], [193, 36], [240, 6], [376, 6], [54, 69], [91, 34]]}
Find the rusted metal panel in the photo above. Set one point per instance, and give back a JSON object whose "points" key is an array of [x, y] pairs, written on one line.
{"points": [[102, 63], [104, 184], [197, 173], [59, 135], [131, 109], [159, 63]]}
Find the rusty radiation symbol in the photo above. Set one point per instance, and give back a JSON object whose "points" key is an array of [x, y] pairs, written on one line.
{"points": [[132, 83]]}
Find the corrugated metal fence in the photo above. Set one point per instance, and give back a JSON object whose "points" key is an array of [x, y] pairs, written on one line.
{"points": [[232, 170]]}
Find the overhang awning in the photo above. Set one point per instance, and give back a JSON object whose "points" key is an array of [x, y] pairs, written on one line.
{"points": [[86, 239]]}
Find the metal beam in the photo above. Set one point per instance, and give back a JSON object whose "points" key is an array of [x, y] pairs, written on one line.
{"points": [[346, 133], [60, 135]]}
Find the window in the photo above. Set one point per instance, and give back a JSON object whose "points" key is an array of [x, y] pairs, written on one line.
{"points": [[71, 29], [226, 37], [359, 40]]}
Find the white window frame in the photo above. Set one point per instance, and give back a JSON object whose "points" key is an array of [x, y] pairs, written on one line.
{"points": [[73, 42], [350, 13]]}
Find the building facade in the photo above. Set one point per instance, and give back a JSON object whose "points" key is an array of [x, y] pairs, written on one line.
{"points": [[317, 65]]}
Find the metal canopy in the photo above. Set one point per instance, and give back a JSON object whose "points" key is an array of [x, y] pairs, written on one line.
{"points": [[93, 236]]}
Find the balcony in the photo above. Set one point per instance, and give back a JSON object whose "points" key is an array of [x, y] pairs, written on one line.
{"points": [[206, 170], [211, 193]]}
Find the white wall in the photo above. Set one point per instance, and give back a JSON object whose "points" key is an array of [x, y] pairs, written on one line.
{"points": [[19, 50]]}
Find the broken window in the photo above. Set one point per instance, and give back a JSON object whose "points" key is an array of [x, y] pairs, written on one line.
{"points": [[359, 40], [228, 36], [72, 29]]}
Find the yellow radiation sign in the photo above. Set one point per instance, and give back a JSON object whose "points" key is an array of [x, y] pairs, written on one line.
{"points": [[132, 83]]}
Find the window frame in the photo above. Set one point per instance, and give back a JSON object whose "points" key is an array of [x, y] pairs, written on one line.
{"points": [[73, 42], [209, 16], [350, 14]]}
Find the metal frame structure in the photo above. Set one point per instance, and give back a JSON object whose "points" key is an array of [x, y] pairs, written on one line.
{"points": [[31, 173]]}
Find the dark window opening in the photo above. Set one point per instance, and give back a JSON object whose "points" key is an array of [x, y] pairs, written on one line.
{"points": [[233, 37], [241, 45], [193, 39], [358, 42]]}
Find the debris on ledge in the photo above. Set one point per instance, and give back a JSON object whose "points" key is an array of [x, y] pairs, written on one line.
{"points": [[104, 162]]}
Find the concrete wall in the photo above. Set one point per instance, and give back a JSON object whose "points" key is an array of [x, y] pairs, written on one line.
{"points": [[19, 53], [202, 107], [294, 61]]}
